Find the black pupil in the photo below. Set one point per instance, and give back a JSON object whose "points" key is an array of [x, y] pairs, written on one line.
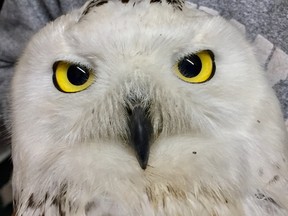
{"points": [[77, 75], [190, 66]]}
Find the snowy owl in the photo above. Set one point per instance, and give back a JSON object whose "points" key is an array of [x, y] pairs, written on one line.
{"points": [[145, 108]]}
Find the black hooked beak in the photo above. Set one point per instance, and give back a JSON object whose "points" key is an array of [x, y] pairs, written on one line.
{"points": [[140, 133]]}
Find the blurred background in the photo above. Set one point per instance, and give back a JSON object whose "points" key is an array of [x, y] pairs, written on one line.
{"points": [[5, 167]]}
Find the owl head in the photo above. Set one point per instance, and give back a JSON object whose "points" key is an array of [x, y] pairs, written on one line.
{"points": [[137, 90]]}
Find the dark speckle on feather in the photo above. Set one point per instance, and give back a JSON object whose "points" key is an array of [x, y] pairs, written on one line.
{"points": [[155, 1], [274, 179], [31, 203], [260, 172], [177, 4], [89, 206], [261, 196], [94, 3]]}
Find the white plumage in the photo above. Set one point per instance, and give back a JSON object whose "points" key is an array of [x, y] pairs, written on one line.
{"points": [[108, 118]]}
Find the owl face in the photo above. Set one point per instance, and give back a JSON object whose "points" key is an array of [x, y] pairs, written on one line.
{"points": [[134, 91], [87, 70]]}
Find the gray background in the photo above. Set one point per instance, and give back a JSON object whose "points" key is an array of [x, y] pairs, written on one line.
{"points": [[266, 17]]}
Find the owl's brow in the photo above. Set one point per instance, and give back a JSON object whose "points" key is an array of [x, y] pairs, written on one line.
{"points": [[177, 4], [92, 4]]}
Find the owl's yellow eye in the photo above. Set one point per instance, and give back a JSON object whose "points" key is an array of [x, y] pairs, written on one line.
{"points": [[196, 68], [69, 77]]}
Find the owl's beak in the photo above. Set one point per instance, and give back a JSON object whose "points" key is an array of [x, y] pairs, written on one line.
{"points": [[140, 134]]}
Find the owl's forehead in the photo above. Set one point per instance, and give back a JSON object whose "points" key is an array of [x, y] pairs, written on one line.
{"points": [[96, 6], [135, 23], [146, 12]]}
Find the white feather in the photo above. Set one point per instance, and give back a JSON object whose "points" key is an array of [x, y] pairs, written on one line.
{"points": [[223, 146]]}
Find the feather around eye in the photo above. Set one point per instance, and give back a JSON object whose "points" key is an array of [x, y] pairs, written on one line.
{"points": [[196, 68]]}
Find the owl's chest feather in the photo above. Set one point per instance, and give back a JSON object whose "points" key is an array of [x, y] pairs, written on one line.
{"points": [[152, 199]]}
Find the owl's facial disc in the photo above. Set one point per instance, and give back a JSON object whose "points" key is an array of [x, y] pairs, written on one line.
{"points": [[140, 127]]}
